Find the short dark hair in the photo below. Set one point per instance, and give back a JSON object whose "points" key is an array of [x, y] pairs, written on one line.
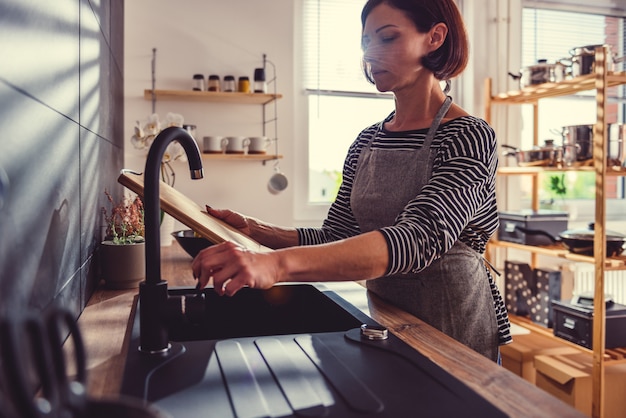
{"points": [[451, 58]]}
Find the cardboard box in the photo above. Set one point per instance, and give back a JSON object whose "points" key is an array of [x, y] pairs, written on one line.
{"points": [[568, 376], [518, 357]]}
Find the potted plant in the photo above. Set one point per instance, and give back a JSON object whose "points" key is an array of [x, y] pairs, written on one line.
{"points": [[122, 253]]}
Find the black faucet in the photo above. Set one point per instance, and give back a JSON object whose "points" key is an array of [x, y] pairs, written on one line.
{"points": [[153, 298]]}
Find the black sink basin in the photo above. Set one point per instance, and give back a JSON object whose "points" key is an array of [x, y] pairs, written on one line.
{"points": [[290, 351], [285, 309]]}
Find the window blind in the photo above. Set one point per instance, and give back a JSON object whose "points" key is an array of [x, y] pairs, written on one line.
{"points": [[604, 7], [332, 47], [551, 34]]}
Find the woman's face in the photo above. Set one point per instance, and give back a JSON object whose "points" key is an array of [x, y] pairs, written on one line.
{"points": [[393, 48]]}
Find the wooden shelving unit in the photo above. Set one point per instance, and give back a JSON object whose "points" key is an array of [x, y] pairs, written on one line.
{"points": [[535, 93], [559, 251], [533, 171], [599, 81], [615, 356]]}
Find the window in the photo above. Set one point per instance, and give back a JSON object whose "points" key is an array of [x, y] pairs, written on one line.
{"points": [[551, 35], [340, 101]]}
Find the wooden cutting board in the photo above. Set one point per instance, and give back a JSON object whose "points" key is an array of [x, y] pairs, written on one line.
{"points": [[191, 214]]}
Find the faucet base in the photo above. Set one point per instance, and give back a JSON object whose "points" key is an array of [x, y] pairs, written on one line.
{"points": [[154, 338]]}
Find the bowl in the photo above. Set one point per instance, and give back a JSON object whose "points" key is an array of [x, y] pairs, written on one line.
{"points": [[190, 242]]}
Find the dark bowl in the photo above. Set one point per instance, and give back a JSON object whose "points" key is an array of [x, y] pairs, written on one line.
{"points": [[190, 242]]}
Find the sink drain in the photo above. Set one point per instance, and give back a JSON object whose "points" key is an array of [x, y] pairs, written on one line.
{"points": [[374, 332]]}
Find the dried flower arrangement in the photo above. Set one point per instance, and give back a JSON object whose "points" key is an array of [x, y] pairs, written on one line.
{"points": [[125, 223], [147, 131]]}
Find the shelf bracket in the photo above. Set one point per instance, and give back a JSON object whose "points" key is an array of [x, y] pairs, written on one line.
{"points": [[275, 118], [153, 80]]}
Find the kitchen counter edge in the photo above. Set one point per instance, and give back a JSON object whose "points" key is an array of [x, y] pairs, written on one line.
{"points": [[104, 326]]}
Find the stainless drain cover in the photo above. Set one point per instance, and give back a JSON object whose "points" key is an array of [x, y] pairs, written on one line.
{"points": [[374, 332]]}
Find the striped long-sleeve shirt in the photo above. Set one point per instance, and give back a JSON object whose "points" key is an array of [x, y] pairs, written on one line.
{"points": [[458, 203]]}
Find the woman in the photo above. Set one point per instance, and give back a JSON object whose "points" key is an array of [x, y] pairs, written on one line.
{"points": [[417, 203]]}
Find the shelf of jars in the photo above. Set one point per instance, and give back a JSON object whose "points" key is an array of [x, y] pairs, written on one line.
{"points": [[212, 96], [242, 157], [568, 87]]}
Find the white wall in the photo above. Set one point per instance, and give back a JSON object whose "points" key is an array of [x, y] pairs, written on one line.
{"points": [[215, 37], [212, 36]]}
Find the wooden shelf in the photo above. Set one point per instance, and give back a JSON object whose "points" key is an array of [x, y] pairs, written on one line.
{"points": [[615, 356], [510, 171], [559, 251], [241, 157], [212, 96], [532, 94]]}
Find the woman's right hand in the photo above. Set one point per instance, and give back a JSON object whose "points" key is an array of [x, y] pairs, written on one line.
{"points": [[234, 219]]}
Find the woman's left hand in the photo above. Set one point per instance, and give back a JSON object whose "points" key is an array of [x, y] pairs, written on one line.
{"points": [[232, 267]]}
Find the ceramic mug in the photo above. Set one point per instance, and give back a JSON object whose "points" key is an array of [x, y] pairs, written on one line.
{"points": [[278, 182], [237, 144], [214, 144], [258, 144]]}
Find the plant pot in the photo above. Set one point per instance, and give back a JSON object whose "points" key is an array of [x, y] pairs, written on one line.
{"points": [[122, 266]]}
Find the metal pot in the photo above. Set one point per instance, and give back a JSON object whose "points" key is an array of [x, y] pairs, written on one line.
{"points": [[578, 144], [545, 156], [580, 241], [542, 72], [617, 144], [584, 59]]}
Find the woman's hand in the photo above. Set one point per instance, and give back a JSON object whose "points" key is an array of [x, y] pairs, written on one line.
{"points": [[232, 267], [266, 234], [234, 219]]}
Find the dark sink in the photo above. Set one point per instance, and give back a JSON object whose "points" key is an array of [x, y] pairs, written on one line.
{"points": [[291, 351], [285, 309]]}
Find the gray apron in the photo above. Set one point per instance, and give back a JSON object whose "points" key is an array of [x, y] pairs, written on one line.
{"points": [[452, 294]]}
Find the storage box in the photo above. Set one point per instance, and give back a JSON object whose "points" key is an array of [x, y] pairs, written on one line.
{"points": [[518, 357], [568, 376], [551, 221], [547, 288], [518, 287], [574, 322]]}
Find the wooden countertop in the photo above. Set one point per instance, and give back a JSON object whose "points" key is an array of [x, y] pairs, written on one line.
{"points": [[104, 327]]}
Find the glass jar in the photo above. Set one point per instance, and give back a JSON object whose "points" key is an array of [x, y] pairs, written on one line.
{"points": [[259, 81], [244, 84], [214, 83], [229, 83], [198, 82]]}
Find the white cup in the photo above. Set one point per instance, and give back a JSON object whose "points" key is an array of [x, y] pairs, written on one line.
{"points": [[214, 144], [278, 182], [237, 144], [258, 144]]}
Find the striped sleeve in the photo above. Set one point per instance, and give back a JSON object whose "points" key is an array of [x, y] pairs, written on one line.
{"points": [[458, 203]]}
